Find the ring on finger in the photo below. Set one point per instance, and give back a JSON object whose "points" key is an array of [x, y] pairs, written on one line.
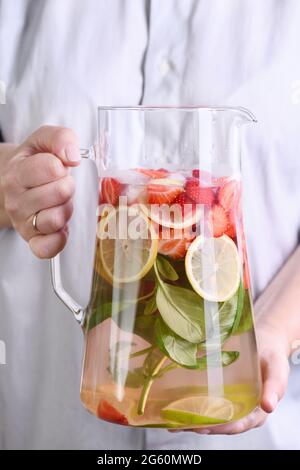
{"points": [[34, 222]]}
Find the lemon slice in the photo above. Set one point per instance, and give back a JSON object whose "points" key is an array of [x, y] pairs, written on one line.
{"points": [[127, 244], [213, 267], [168, 181], [166, 216], [201, 410]]}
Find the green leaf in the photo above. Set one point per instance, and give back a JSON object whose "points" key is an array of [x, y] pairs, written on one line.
{"points": [[144, 327], [240, 306], [246, 319], [227, 358], [179, 350], [166, 269], [150, 306], [223, 319], [182, 310]]}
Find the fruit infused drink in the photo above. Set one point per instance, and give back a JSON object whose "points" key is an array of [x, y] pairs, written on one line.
{"points": [[169, 329]]}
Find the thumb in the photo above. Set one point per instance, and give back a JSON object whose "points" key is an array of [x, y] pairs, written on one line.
{"points": [[60, 141], [275, 372]]}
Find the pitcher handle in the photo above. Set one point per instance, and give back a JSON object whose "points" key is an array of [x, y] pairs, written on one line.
{"points": [[62, 294]]}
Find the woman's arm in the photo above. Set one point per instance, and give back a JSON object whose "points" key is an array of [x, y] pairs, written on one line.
{"points": [[6, 152]]}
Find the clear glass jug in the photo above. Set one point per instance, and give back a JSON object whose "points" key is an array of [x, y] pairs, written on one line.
{"points": [[169, 335]]}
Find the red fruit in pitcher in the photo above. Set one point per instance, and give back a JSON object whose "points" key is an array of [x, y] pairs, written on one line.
{"points": [[218, 220], [182, 199], [110, 191], [106, 411], [176, 242], [231, 230], [198, 194], [154, 174], [229, 195], [176, 249], [163, 194]]}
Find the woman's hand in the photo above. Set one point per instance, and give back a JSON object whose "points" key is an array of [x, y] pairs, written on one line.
{"points": [[36, 181], [273, 353]]}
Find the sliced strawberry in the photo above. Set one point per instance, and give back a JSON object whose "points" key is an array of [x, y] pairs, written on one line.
{"points": [[201, 195], [110, 191], [107, 412], [203, 175], [229, 195], [175, 248], [231, 230], [163, 194], [175, 242], [218, 220], [161, 173], [180, 199]]}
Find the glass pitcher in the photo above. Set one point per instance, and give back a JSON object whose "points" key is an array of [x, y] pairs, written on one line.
{"points": [[169, 335]]}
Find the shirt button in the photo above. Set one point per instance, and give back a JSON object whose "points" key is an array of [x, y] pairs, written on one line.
{"points": [[165, 67]]}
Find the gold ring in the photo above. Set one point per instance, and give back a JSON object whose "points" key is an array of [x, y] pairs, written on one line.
{"points": [[34, 222]]}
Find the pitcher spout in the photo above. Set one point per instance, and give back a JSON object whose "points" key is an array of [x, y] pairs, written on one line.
{"points": [[245, 115]]}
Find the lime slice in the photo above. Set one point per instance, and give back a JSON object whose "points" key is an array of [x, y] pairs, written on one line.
{"points": [[213, 267], [127, 244], [201, 410]]}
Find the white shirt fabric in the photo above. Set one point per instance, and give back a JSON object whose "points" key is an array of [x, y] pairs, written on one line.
{"points": [[62, 59]]}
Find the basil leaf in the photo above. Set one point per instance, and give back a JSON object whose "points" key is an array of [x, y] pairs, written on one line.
{"points": [[227, 358], [246, 319], [179, 350], [144, 327], [240, 306], [166, 269], [224, 319], [150, 306], [182, 310]]}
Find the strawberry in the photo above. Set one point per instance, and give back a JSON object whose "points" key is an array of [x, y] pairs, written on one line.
{"points": [[231, 230], [176, 242], [229, 195], [182, 199], [107, 412], [204, 176], [163, 194], [110, 191], [218, 220], [196, 174], [199, 194], [154, 174]]}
